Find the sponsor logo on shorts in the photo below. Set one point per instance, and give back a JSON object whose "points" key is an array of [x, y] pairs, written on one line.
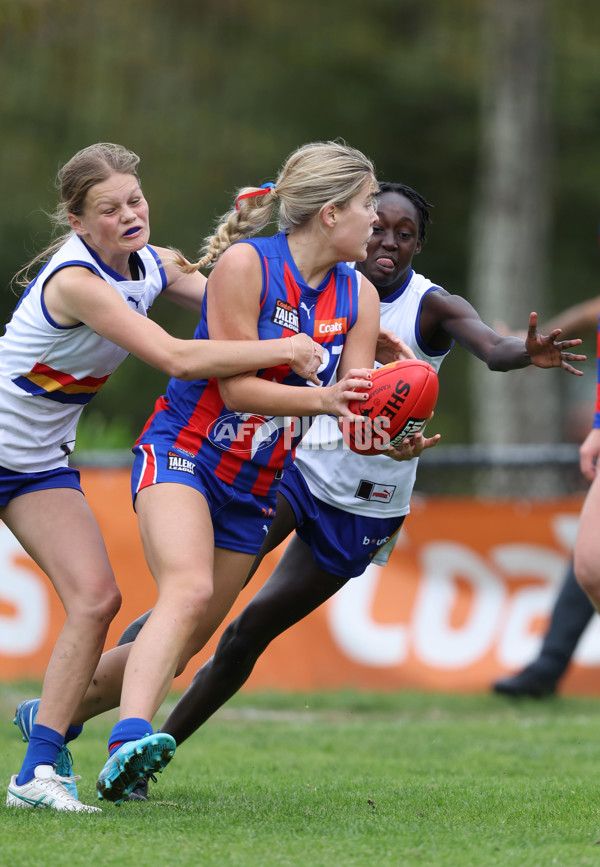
{"points": [[377, 493], [286, 315], [331, 326], [374, 541], [180, 464]]}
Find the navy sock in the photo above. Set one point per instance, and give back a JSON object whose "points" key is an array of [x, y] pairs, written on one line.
{"points": [[42, 749], [72, 733], [131, 729]]}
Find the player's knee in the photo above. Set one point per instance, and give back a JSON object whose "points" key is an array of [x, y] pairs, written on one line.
{"points": [[196, 604], [95, 609], [110, 605], [190, 601], [587, 573], [239, 644]]}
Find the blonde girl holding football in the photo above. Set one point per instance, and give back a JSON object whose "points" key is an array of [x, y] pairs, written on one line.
{"points": [[209, 461]]}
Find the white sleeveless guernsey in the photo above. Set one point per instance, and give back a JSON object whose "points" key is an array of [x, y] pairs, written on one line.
{"points": [[372, 485], [49, 372]]}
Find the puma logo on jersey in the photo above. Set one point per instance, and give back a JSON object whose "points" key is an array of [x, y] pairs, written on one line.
{"points": [[133, 300], [374, 492], [303, 306]]}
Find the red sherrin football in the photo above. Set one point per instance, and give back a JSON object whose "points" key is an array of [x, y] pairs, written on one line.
{"points": [[401, 400]]}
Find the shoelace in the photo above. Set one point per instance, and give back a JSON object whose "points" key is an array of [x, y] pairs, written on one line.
{"points": [[74, 779], [54, 785], [66, 752]]}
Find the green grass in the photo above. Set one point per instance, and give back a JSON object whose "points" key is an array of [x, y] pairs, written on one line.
{"points": [[333, 780]]}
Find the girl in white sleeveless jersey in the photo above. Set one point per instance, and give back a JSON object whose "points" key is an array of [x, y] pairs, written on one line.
{"points": [[76, 321]]}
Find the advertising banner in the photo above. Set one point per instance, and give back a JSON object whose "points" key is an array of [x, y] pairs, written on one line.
{"points": [[464, 599]]}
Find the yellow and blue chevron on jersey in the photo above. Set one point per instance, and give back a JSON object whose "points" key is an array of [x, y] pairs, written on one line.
{"points": [[44, 381]]}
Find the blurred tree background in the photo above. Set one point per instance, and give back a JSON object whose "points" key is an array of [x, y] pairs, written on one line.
{"points": [[214, 94]]}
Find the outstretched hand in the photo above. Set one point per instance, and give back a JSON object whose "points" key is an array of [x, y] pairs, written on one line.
{"points": [[548, 351]]}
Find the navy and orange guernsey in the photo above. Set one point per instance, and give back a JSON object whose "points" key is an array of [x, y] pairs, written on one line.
{"points": [[49, 372], [250, 451]]}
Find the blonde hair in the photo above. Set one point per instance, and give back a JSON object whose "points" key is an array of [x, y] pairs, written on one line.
{"points": [[313, 176], [88, 167]]}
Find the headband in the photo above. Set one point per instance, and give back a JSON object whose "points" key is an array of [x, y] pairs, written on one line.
{"points": [[264, 189]]}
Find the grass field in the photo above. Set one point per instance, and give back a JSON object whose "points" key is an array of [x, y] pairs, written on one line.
{"points": [[334, 780]]}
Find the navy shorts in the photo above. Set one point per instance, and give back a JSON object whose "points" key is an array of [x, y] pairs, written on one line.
{"points": [[341, 542], [241, 520], [14, 484]]}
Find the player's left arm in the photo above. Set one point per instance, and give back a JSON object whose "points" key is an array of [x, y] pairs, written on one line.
{"points": [[361, 340], [458, 318]]}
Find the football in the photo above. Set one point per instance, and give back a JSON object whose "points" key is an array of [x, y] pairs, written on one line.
{"points": [[401, 400]]}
